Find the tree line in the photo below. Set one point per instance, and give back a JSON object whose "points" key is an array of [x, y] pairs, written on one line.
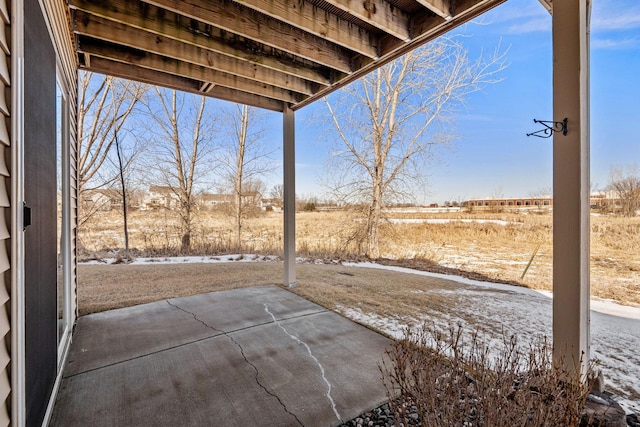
{"points": [[383, 130], [173, 139]]}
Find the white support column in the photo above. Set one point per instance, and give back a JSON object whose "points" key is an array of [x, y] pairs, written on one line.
{"points": [[289, 167], [571, 186]]}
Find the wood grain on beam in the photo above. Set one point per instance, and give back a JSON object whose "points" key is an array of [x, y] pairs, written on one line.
{"points": [[442, 8], [236, 19], [427, 26], [465, 10], [378, 13], [102, 29], [144, 75], [130, 72], [311, 19], [144, 16], [196, 72], [431, 27]]}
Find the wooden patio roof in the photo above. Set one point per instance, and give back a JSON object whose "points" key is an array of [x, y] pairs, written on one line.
{"points": [[265, 53]]}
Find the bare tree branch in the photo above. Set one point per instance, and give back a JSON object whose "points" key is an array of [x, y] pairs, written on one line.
{"points": [[387, 126], [104, 105], [181, 144]]}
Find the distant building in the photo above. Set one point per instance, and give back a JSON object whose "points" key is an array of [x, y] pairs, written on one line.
{"points": [[492, 203], [101, 199], [210, 201], [160, 197], [603, 200], [271, 204]]}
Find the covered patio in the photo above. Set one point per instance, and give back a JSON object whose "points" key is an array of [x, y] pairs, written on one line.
{"points": [[277, 55]]}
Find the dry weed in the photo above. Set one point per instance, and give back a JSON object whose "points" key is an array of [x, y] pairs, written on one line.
{"points": [[479, 248], [453, 378]]}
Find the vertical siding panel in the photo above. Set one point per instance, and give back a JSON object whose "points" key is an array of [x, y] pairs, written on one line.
{"points": [[5, 219]]}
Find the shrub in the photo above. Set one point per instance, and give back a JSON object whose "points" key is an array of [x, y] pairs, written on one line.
{"points": [[309, 207], [454, 378]]}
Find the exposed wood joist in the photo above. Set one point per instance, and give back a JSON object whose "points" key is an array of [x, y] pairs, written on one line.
{"points": [[196, 72], [547, 4], [105, 66], [279, 51], [99, 28], [169, 24], [442, 8], [464, 11], [144, 75], [236, 19], [378, 13], [311, 19], [430, 28]]}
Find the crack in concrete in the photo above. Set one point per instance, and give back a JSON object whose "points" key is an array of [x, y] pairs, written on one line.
{"points": [[255, 368], [322, 371]]}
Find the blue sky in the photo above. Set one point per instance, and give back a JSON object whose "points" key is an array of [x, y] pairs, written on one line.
{"points": [[492, 156]]}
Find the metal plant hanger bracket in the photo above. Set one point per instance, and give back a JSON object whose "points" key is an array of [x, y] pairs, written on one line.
{"points": [[549, 128]]}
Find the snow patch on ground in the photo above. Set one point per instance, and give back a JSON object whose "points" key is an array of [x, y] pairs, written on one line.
{"points": [[190, 259], [447, 221], [527, 313]]}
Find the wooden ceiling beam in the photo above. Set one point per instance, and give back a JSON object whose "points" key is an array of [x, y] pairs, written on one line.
{"points": [[113, 32], [136, 14], [321, 23], [239, 20], [430, 27], [378, 13], [177, 68], [465, 10], [118, 69], [442, 8]]}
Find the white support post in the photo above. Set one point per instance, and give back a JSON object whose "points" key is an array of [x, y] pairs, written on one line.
{"points": [[289, 168], [571, 186]]}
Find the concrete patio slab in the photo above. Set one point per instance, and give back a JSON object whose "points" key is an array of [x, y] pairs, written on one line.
{"points": [[253, 356]]}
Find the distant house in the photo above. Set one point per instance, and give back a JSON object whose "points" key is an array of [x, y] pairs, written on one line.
{"points": [[252, 198], [271, 204], [210, 201], [101, 199], [160, 197]]}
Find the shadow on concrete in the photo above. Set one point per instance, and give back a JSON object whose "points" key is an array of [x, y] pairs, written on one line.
{"points": [[245, 357]]}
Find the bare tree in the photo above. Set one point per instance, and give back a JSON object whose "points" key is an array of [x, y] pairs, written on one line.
{"points": [[104, 104], [624, 182], [277, 194], [123, 188], [389, 122], [182, 144], [244, 159]]}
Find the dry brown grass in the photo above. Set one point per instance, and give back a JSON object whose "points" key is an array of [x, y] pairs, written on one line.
{"points": [[489, 250], [386, 293], [447, 379]]}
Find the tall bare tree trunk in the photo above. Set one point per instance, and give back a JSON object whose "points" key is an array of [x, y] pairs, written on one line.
{"points": [[237, 187], [124, 192], [178, 160], [390, 122], [374, 217]]}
